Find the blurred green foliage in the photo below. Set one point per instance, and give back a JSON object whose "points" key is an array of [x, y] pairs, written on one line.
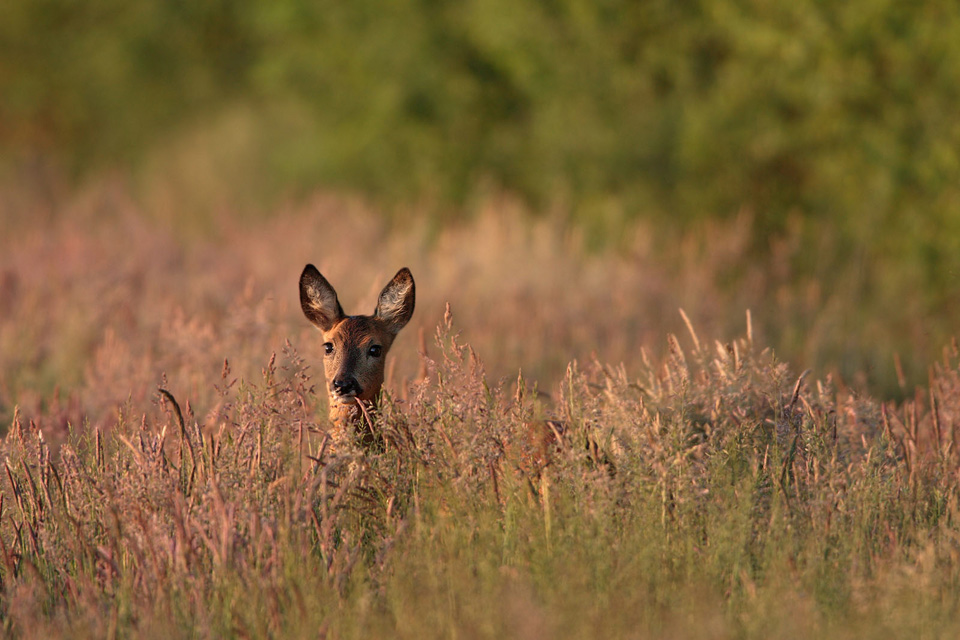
{"points": [[840, 117], [691, 108]]}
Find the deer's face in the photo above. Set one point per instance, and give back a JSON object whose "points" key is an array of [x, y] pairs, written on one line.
{"points": [[353, 358], [355, 347]]}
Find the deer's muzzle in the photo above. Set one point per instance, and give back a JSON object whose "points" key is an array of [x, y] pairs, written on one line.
{"points": [[345, 388]]}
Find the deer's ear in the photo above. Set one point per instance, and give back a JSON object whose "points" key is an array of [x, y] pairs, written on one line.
{"points": [[395, 306], [318, 299]]}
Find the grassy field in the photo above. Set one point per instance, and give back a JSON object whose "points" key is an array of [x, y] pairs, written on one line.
{"points": [[718, 239], [736, 497]]}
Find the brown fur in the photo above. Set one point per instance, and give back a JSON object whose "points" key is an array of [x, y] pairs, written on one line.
{"points": [[355, 347]]}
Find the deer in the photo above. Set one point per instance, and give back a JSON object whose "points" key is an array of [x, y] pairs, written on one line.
{"points": [[355, 348], [354, 354]]}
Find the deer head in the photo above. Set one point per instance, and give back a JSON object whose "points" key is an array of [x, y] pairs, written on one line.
{"points": [[355, 347]]}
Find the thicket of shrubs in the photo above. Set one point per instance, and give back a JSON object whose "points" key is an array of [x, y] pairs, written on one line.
{"points": [[693, 109]]}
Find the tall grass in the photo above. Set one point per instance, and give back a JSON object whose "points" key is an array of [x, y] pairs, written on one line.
{"points": [[735, 500], [167, 470]]}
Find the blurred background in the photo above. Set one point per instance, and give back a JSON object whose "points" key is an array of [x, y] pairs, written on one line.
{"points": [[567, 173]]}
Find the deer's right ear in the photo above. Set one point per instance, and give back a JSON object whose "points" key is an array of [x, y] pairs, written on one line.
{"points": [[318, 299]]}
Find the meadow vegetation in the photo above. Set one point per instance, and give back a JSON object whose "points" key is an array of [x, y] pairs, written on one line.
{"points": [[562, 178], [167, 472]]}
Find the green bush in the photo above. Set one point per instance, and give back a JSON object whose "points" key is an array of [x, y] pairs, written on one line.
{"points": [[842, 112]]}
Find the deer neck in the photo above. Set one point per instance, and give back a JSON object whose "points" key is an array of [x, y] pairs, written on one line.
{"points": [[351, 422]]}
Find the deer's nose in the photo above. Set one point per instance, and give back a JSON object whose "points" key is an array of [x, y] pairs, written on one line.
{"points": [[346, 386]]}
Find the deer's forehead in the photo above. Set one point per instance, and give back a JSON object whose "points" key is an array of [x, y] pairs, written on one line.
{"points": [[358, 330]]}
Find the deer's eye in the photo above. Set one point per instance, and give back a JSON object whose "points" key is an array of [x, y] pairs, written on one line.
{"points": [[328, 348], [375, 351]]}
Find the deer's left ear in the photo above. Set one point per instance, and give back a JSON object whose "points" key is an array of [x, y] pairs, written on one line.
{"points": [[395, 306]]}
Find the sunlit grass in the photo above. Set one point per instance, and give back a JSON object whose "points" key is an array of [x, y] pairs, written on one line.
{"points": [[704, 488], [734, 500]]}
